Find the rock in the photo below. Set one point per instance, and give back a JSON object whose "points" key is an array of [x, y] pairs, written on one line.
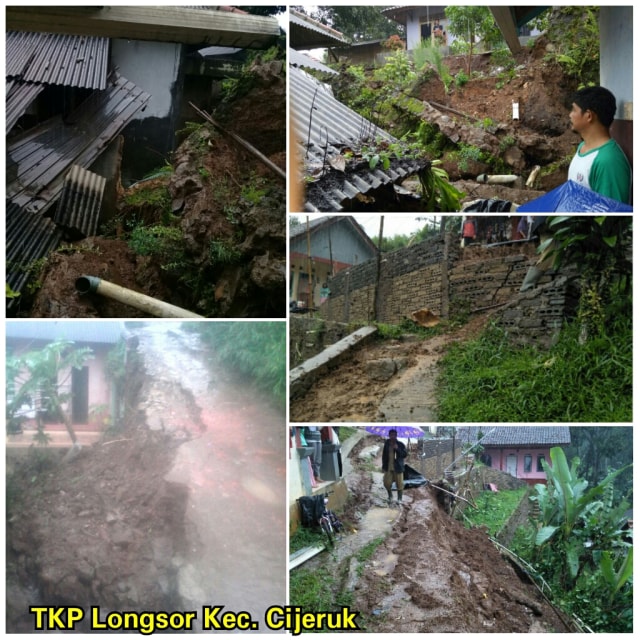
{"points": [[381, 370]]}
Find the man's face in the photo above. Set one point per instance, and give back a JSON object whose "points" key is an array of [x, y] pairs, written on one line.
{"points": [[393, 436], [579, 119]]}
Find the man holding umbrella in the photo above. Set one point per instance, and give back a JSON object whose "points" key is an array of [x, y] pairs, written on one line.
{"points": [[394, 453]]}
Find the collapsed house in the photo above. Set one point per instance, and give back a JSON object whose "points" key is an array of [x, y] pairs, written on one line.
{"points": [[68, 102]]}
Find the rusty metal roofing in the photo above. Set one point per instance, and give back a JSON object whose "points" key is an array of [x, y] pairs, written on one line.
{"points": [[44, 155], [322, 126], [47, 58], [78, 209], [307, 33]]}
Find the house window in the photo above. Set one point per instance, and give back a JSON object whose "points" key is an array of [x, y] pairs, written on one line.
{"points": [[527, 462], [541, 459]]}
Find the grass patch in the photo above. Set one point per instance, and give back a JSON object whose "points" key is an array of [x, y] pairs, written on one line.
{"points": [[494, 509], [490, 379], [313, 589], [305, 537]]}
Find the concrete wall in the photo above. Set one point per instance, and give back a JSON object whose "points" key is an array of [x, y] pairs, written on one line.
{"points": [[154, 67]]}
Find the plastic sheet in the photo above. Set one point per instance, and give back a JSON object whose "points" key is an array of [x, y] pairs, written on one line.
{"points": [[571, 197], [412, 478]]}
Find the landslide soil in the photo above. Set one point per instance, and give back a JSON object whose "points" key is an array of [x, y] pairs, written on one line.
{"points": [[431, 574], [218, 195], [156, 516], [350, 392]]}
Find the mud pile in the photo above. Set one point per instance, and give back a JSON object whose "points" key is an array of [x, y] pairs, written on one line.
{"points": [[161, 515], [220, 250]]}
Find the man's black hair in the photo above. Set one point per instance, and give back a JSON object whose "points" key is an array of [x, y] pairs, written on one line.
{"points": [[599, 100], [393, 431]]}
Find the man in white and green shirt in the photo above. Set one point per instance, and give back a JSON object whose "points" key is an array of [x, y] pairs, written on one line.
{"points": [[599, 163]]}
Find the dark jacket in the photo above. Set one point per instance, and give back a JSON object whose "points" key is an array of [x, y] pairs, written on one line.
{"points": [[401, 454]]}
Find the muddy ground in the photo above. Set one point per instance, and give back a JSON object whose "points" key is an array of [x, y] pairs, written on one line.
{"points": [[217, 195], [430, 575], [364, 388], [161, 514]]}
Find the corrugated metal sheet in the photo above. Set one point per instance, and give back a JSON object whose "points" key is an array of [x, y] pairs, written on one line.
{"points": [[78, 209], [19, 97], [300, 60], [39, 160], [44, 155], [28, 237], [76, 330], [307, 33], [322, 126], [46, 58]]}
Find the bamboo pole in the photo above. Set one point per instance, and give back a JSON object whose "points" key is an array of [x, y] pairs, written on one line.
{"points": [[243, 143]]}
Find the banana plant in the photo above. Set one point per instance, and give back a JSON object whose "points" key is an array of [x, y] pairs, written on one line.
{"points": [[563, 503]]}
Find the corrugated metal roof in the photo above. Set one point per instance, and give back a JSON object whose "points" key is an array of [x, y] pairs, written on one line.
{"points": [[307, 33], [39, 160], [19, 97], [322, 127], [28, 237], [47, 58], [298, 59], [44, 155], [78, 209], [103, 332], [516, 436]]}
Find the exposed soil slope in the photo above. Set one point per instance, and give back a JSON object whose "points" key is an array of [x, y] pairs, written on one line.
{"points": [[226, 252], [359, 390], [162, 515]]}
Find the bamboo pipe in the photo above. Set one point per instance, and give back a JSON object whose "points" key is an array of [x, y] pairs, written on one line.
{"points": [[153, 306]]}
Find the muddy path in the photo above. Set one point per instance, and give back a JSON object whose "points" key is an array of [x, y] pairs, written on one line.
{"points": [[429, 574], [231, 462], [183, 508], [386, 381]]}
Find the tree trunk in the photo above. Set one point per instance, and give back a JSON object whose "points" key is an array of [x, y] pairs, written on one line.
{"points": [[55, 401]]}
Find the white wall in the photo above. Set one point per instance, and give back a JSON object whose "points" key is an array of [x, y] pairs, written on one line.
{"points": [[153, 66]]}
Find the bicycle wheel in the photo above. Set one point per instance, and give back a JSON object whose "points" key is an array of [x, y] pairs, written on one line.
{"points": [[325, 525]]}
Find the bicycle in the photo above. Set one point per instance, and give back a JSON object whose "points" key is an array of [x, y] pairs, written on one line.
{"points": [[325, 521]]}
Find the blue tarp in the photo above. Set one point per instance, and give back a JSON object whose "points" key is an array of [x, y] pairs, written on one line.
{"points": [[571, 197]]}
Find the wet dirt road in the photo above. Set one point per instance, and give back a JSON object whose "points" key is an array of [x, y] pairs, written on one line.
{"points": [[232, 462]]}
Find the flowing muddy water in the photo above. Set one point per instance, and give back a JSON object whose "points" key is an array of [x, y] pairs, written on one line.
{"points": [[232, 462]]}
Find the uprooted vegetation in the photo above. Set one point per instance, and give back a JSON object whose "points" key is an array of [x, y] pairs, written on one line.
{"points": [[205, 232], [457, 111]]}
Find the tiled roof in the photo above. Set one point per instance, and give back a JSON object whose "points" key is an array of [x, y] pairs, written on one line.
{"points": [[322, 126], [78, 331], [516, 436], [316, 223]]}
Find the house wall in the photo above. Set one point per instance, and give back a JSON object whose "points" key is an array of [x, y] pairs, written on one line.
{"points": [[156, 68], [616, 70], [99, 387], [499, 457]]}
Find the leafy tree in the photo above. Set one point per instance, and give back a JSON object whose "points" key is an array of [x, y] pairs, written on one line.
{"points": [[470, 25], [603, 448], [358, 23], [43, 373]]}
